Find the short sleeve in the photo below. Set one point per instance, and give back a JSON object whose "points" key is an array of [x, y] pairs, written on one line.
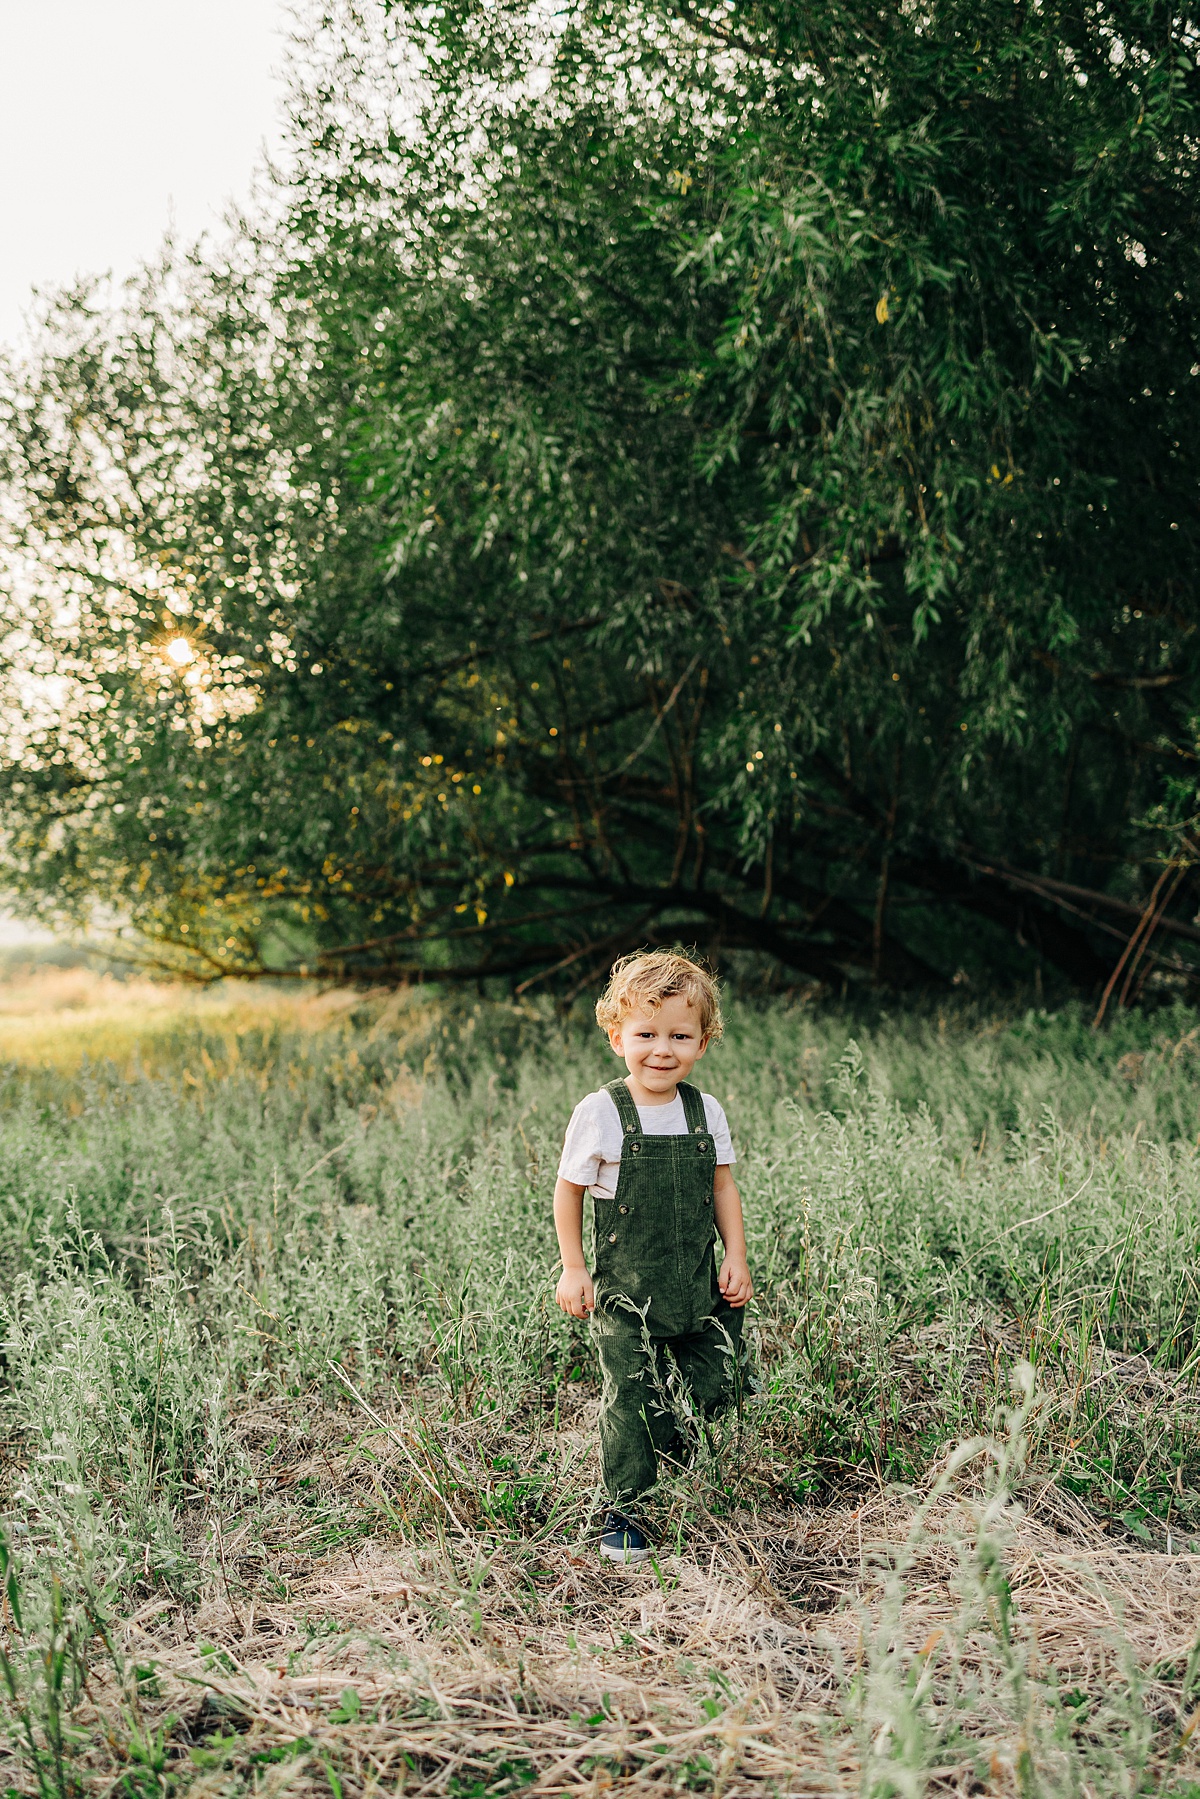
{"points": [[582, 1151], [718, 1124]]}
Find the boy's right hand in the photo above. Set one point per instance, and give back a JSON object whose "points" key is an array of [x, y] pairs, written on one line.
{"points": [[575, 1292]]}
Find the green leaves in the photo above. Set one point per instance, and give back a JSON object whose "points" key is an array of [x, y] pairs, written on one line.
{"points": [[8, 1579], [613, 398]]}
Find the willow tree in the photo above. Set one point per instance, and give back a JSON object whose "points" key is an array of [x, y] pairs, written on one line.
{"points": [[712, 471]]}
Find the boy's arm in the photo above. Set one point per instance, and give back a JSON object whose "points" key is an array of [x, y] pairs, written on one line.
{"points": [[574, 1293], [734, 1278]]}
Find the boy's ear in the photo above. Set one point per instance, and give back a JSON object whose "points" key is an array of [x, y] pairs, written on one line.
{"points": [[704, 1043], [614, 1039]]}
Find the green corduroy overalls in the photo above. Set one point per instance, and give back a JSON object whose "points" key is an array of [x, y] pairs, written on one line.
{"points": [[656, 1291]]}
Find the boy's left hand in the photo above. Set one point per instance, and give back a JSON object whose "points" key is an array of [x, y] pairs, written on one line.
{"points": [[734, 1281]]}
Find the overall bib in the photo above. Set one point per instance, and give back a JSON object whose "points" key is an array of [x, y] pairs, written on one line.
{"points": [[657, 1298]]}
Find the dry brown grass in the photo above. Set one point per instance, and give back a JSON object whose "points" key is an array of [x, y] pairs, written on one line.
{"points": [[770, 1655], [54, 1017], [473, 1667]]}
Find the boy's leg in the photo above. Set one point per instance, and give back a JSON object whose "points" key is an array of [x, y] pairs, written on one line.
{"points": [[636, 1421], [710, 1359]]}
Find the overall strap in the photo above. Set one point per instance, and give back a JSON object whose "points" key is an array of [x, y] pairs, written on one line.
{"points": [[623, 1100], [693, 1108]]}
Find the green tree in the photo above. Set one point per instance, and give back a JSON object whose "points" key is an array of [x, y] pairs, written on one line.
{"points": [[724, 472]]}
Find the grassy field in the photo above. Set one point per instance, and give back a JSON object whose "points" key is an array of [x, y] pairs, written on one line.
{"points": [[298, 1455]]}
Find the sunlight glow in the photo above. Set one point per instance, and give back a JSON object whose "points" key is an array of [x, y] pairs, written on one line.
{"points": [[180, 651]]}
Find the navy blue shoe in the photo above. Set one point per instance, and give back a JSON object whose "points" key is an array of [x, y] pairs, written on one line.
{"points": [[623, 1541]]}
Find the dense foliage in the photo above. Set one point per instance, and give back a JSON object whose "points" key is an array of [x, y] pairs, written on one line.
{"points": [[718, 471]]}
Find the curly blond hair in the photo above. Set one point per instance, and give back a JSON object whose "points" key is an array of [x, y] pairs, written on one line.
{"points": [[641, 982]]}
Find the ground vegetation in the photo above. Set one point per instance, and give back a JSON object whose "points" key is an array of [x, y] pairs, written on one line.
{"points": [[298, 1454]]}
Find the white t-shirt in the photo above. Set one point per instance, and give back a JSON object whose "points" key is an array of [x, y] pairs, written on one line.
{"points": [[591, 1154]]}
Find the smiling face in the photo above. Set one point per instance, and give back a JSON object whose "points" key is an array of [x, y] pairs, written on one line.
{"points": [[660, 1048]]}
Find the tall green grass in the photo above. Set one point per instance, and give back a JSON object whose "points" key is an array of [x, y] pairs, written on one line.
{"points": [[927, 1202], [274, 1224]]}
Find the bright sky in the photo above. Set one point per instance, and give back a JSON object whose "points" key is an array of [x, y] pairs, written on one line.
{"points": [[119, 116]]}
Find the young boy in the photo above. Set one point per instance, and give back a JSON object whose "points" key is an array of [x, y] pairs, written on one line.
{"points": [[656, 1154]]}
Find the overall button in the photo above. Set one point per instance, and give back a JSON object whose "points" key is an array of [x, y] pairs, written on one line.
{"points": [[635, 1147], [612, 1236], [631, 1127], [702, 1145], [622, 1210]]}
